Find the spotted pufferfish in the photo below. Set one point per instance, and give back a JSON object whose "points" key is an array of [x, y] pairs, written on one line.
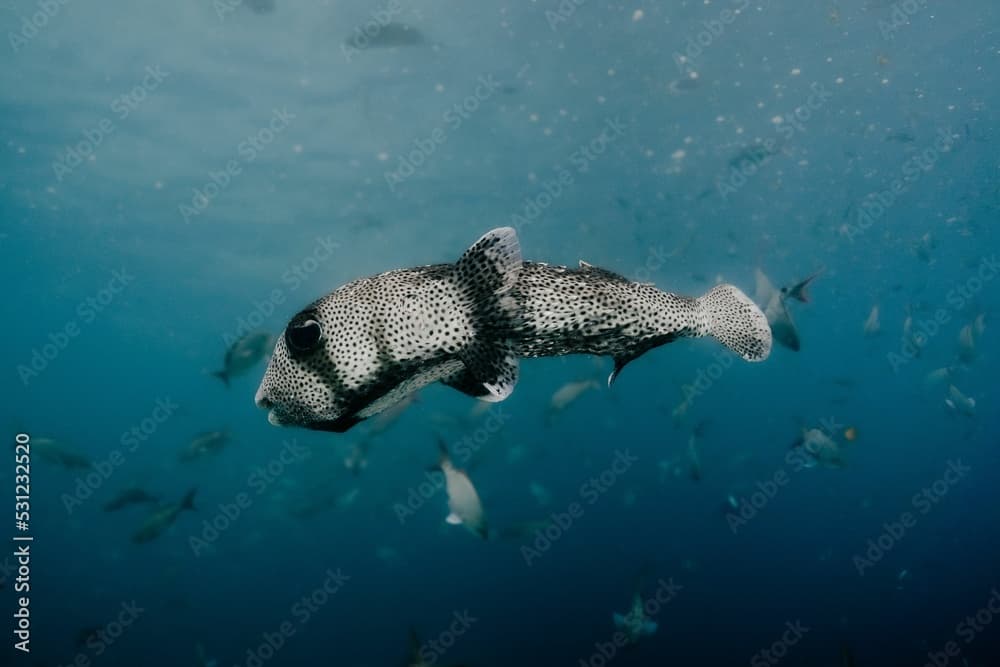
{"points": [[371, 343]]}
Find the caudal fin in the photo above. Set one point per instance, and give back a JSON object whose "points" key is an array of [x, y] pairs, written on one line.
{"points": [[222, 375], [737, 322], [798, 291]]}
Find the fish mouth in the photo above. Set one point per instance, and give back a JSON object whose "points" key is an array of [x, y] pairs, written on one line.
{"points": [[261, 400], [273, 416]]}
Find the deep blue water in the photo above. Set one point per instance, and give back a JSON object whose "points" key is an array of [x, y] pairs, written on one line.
{"points": [[175, 174]]}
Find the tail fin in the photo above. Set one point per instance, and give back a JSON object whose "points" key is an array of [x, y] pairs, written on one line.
{"points": [[798, 290], [187, 502], [737, 322], [222, 375]]}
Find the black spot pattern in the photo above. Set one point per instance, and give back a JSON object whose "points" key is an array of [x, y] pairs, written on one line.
{"points": [[593, 311], [467, 324]]}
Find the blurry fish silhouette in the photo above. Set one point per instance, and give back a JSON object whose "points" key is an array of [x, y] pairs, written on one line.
{"points": [[129, 496], [960, 403], [385, 36], [204, 444], [873, 326], [163, 518], [244, 355], [56, 452]]}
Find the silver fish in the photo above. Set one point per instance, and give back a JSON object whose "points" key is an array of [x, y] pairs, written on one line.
{"points": [[132, 495], [163, 518], [56, 452], [244, 355], [464, 506], [960, 403], [821, 448], [873, 326], [203, 444], [366, 346], [635, 624]]}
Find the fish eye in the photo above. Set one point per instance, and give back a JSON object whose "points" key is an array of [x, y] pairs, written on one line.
{"points": [[304, 333]]}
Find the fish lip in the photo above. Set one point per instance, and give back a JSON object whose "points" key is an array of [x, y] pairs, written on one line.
{"points": [[261, 400]]}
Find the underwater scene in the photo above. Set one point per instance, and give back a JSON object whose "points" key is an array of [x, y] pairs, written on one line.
{"points": [[555, 332]]}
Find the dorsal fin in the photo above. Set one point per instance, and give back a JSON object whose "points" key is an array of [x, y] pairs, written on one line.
{"points": [[603, 273], [485, 273]]}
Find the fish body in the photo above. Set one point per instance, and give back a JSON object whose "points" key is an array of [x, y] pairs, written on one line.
{"points": [[163, 518], [694, 460], [939, 376], [873, 325], [960, 403], [420, 656], [967, 344], [776, 311], [823, 449], [202, 658], [54, 451], [130, 496], [356, 459], [569, 392], [203, 444], [388, 35], [540, 493], [754, 154], [244, 354], [635, 624], [912, 340], [371, 343], [464, 506]]}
